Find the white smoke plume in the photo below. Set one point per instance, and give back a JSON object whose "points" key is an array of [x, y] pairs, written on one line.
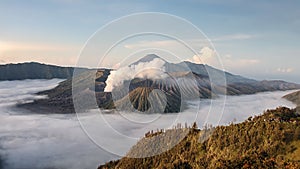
{"points": [[150, 70]]}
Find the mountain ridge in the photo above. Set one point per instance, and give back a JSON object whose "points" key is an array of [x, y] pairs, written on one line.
{"points": [[295, 98], [193, 81], [35, 70]]}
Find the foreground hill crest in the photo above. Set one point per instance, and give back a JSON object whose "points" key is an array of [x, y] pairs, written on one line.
{"points": [[271, 140]]}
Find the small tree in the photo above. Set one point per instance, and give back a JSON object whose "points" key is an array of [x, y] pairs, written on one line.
{"points": [[194, 126]]}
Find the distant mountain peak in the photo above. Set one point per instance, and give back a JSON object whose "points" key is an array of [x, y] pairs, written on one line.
{"points": [[151, 56], [148, 58]]}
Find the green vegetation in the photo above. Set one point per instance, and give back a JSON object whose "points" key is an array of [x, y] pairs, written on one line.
{"points": [[271, 140]]}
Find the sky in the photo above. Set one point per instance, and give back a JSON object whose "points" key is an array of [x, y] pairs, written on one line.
{"points": [[257, 39]]}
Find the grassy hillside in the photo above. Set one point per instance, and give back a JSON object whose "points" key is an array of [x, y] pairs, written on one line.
{"points": [[271, 140]]}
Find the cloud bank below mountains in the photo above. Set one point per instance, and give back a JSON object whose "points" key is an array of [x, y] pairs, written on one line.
{"points": [[58, 141]]}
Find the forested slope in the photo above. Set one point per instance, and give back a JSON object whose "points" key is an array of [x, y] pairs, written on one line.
{"points": [[271, 140]]}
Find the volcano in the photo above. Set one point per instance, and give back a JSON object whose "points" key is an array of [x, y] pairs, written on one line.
{"points": [[151, 96], [166, 92]]}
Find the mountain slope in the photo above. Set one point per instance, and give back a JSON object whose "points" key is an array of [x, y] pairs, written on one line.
{"points": [[200, 69], [147, 58], [34, 70], [206, 70], [60, 98], [1, 163], [181, 82], [271, 140], [295, 98], [151, 96]]}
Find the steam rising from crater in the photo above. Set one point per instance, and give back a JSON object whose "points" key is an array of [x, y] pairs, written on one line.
{"points": [[116, 78]]}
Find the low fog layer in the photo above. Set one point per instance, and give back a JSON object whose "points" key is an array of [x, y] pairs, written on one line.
{"points": [[58, 141]]}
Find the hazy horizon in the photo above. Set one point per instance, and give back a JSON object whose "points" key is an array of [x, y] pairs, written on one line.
{"points": [[235, 73]]}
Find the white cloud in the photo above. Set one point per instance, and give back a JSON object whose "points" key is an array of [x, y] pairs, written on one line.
{"points": [[140, 70], [284, 70], [228, 62], [57, 141], [227, 56], [206, 55]]}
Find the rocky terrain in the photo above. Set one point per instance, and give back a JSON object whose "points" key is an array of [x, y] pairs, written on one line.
{"points": [[183, 81], [271, 140], [295, 98], [60, 98]]}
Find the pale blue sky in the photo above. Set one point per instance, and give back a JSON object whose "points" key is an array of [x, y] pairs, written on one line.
{"points": [[258, 39]]}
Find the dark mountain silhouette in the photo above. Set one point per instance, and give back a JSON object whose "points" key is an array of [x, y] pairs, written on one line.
{"points": [[271, 140], [183, 81], [34, 70], [1, 163]]}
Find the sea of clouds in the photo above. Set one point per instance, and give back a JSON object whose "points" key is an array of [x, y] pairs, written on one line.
{"points": [[32, 140]]}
